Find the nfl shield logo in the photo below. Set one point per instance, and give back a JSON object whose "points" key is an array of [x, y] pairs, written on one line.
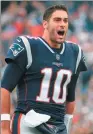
{"points": [[57, 56]]}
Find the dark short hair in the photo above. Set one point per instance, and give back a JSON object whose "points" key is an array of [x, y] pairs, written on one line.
{"points": [[48, 12]]}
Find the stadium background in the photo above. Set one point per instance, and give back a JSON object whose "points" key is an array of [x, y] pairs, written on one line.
{"points": [[25, 17]]}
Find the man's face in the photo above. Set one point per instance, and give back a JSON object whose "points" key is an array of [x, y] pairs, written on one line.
{"points": [[57, 26]]}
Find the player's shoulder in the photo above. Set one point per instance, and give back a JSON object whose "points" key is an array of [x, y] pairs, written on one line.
{"points": [[20, 49], [73, 46], [27, 39], [32, 39], [24, 42]]}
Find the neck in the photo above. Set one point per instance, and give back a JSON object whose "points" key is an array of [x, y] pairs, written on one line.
{"points": [[51, 43]]}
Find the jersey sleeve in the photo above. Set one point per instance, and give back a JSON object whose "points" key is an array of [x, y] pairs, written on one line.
{"points": [[12, 75], [80, 63], [20, 53], [80, 66]]}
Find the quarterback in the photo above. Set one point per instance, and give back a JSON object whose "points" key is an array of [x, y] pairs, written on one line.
{"points": [[45, 70]]}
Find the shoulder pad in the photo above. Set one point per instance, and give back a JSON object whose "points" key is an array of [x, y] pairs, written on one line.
{"points": [[19, 50]]}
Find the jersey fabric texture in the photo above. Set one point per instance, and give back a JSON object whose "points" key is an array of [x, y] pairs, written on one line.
{"points": [[45, 77]]}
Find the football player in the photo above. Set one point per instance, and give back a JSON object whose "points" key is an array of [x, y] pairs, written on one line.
{"points": [[45, 70]]}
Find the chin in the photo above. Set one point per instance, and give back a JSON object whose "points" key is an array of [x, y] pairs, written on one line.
{"points": [[60, 41]]}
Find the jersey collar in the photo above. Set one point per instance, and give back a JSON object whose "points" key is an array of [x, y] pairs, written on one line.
{"points": [[47, 45]]}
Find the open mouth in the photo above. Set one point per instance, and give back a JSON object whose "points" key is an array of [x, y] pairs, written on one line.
{"points": [[61, 33]]}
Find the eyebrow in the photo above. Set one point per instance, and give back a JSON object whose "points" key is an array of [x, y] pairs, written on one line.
{"points": [[60, 18]]}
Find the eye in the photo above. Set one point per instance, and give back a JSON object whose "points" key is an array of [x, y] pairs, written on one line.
{"points": [[57, 19], [65, 20]]}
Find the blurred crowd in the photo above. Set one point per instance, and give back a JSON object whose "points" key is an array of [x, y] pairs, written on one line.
{"points": [[25, 17]]}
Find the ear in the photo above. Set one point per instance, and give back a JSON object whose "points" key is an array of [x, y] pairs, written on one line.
{"points": [[45, 24]]}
